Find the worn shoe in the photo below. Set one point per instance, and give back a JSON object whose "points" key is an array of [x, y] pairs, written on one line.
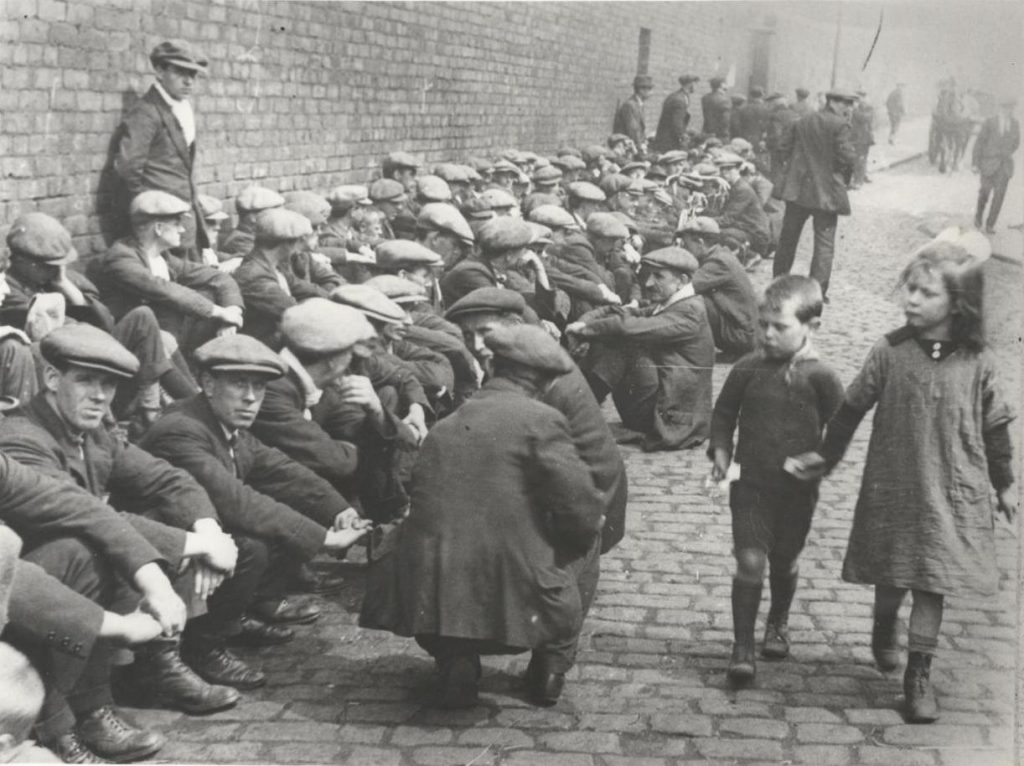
{"points": [[171, 683], [217, 665], [922, 706], [286, 611], [742, 666], [71, 749], [542, 686], [884, 644], [110, 736], [256, 633], [460, 679], [776, 641]]}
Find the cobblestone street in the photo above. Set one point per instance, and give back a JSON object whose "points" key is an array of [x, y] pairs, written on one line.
{"points": [[649, 688]]}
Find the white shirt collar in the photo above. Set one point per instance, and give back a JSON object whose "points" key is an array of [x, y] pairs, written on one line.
{"points": [[310, 391], [686, 291], [182, 111]]}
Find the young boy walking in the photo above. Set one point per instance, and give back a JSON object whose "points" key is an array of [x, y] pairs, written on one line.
{"points": [[782, 397]]}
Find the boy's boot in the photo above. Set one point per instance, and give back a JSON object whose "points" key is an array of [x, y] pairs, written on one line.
{"points": [[884, 644], [776, 632], [917, 687], [746, 598]]}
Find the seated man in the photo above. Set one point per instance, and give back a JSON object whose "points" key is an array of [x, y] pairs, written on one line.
{"points": [[502, 507], [743, 209], [191, 301], [256, 490], [91, 549], [729, 296], [249, 203], [62, 433], [309, 264], [656, 361], [586, 260]]}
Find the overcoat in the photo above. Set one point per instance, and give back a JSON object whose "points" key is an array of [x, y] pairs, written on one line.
{"points": [[629, 120], [717, 108], [673, 122]]}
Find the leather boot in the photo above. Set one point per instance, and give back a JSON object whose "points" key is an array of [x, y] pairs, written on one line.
{"points": [[746, 598], [776, 633], [109, 735], [71, 749], [884, 644], [169, 682], [917, 687], [543, 687], [209, 657]]}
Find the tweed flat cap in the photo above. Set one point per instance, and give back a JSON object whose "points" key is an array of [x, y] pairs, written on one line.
{"points": [[504, 166], [439, 216], [499, 235], [309, 204], [626, 221], [433, 189], [700, 225], [400, 160], [83, 345], [606, 225], [252, 199], [179, 53], [838, 94], [394, 254], [541, 233], [348, 196], [615, 183], [398, 289], [672, 157], [43, 238], [657, 172], [552, 216], [451, 172], [371, 302], [487, 300], [498, 199], [323, 327], [584, 190], [529, 346], [239, 353], [387, 190], [592, 153], [156, 204], [278, 225], [538, 199], [475, 210], [675, 258], [211, 208], [740, 145], [547, 175], [686, 79], [480, 164], [568, 162], [727, 159]]}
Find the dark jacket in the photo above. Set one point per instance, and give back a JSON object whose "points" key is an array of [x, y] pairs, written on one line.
{"points": [[152, 154], [261, 492], [465, 277], [993, 151], [819, 159], [717, 109], [629, 120], [673, 122], [265, 299], [750, 121], [14, 309], [730, 301], [501, 504], [744, 210]]}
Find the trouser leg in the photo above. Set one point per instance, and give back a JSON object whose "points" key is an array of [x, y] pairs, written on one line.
{"points": [[792, 224], [229, 602], [998, 195], [560, 656], [824, 247], [984, 191]]}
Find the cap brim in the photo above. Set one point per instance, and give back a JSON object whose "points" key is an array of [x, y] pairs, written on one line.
{"points": [[220, 216], [185, 64], [91, 365], [256, 369]]}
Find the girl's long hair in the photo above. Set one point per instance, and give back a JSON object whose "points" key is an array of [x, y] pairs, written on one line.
{"points": [[962, 275]]}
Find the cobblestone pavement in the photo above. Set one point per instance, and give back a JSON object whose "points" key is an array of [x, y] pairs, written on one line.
{"points": [[649, 687]]}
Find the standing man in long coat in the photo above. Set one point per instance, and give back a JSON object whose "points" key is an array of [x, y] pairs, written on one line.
{"points": [[629, 117], [675, 117], [993, 159], [819, 156]]}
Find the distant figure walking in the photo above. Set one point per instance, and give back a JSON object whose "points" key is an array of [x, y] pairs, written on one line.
{"points": [[993, 160], [894, 106]]}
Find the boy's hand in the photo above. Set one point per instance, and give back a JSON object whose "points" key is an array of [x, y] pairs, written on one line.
{"points": [[1008, 500], [340, 539], [720, 464], [806, 467]]}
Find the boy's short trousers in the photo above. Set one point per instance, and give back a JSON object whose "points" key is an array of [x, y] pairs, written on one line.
{"points": [[774, 518]]}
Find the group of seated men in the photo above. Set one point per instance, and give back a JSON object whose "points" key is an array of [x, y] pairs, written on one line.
{"points": [[185, 431]]}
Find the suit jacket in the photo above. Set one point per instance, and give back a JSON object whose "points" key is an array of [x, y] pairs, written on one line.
{"points": [[152, 154], [750, 121], [14, 309], [993, 151], [717, 109], [629, 120], [744, 210], [673, 122], [819, 159], [501, 504], [265, 300], [259, 492], [465, 277], [733, 313]]}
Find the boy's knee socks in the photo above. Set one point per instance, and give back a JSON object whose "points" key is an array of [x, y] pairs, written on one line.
{"points": [[923, 644], [746, 598], [783, 588]]}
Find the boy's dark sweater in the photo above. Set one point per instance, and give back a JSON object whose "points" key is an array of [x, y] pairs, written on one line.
{"points": [[777, 417]]}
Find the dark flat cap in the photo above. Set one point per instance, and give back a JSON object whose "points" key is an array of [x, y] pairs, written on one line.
{"points": [[643, 81], [686, 79], [86, 346], [802, 93], [320, 326], [239, 353], [676, 155], [501, 234], [487, 300], [838, 94], [675, 258], [179, 53], [715, 82], [529, 346], [43, 238], [394, 254], [756, 92]]}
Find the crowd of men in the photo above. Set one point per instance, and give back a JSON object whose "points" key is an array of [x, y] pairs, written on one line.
{"points": [[417, 363]]}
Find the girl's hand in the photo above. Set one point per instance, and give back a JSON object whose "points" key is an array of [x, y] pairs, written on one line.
{"points": [[808, 466], [1008, 501]]}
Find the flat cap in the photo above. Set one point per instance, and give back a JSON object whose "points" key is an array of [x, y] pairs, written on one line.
{"points": [[537, 199], [211, 208], [617, 138], [675, 258], [838, 94], [394, 254], [322, 327], [715, 82], [741, 145], [700, 225], [592, 153], [686, 79], [471, 173], [565, 149], [552, 216], [156, 204], [348, 195], [371, 302], [504, 166], [584, 190], [309, 204], [253, 199], [433, 189], [643, 81], [501, 234], [487, 300], [541, 233], [802, 93], [626, 221], [706, 170], [690, 181], [83, 345], [451, 172], [606, 225], [634, 165], [737, 98], [548, 174], [475, 209], [387, 190], [43, 238], [569, 162], [615, 183], [657, 172], [397, 288], [529, 346], [239, 353], [480, 164], [672, 157], [278, 225], [498, 199], [400, 160], [179, 53], [440, 216], [727, 159]]}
